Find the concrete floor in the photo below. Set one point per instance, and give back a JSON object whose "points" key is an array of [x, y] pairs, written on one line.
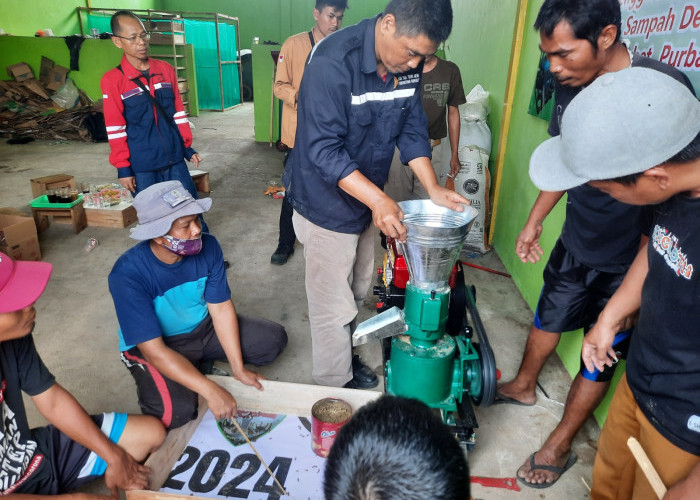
{"points": [[76, 326]]}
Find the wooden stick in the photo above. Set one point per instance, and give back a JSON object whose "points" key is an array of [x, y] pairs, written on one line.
{"points": [[235, 422], [647, 467]]}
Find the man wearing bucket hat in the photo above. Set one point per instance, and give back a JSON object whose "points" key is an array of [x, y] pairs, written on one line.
{"points": [[175, 311], [582, 42], [75, 447], [635, 135]]}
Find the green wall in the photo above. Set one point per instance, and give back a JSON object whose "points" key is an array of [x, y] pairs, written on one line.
{"points": [[24, 18], [262, 93], [96, 58], [480, 45], [272, 20]]}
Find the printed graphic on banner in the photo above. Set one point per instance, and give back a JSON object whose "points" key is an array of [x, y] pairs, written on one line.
{"points": [[217, 461], [666, 31]]}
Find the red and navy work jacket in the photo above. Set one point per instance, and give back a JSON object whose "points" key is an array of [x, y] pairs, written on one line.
{"points": [[139, 138]]}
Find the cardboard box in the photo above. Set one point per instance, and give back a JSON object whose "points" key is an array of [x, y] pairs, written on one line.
{"points": [[57, 77], [45, 70], [167, 39], [201, 180], [20, 71], [41, 184], [36, 87], [18, 237]]}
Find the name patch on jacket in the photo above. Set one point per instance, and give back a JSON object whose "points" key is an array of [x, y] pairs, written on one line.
{"points": [[411, 79], [131, 93]]}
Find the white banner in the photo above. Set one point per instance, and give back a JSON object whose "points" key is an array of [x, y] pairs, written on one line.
{"points": [[665, 30], [218, 463]]}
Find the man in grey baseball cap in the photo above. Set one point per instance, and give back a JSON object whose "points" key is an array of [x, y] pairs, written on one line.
{"points": [[175, 311], [602, 139], [599, 238], [635, 135]]}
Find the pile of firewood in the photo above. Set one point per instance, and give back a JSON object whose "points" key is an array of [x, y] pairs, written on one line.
{"points": [[26, 110]]}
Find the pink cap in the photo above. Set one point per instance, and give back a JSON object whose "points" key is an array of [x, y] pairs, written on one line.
{"points": [[21, 283]]}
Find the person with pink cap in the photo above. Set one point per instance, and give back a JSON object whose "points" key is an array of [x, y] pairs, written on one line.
{"points": [[76, 447]]}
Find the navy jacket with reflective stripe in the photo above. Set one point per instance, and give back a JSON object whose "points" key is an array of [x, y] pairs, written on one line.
{"points": [[350, 119]]}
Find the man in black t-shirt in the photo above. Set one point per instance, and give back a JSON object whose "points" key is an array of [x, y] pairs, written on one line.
{"points": [[599, 239], [658, 400], [76, 447], [441, 95]]}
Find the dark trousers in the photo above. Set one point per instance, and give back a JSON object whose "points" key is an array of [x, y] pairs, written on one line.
{"points": [[174, 404], [287, 235]]}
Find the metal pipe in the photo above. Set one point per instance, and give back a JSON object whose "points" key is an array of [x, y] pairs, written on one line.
{"points": [[218, 56]]}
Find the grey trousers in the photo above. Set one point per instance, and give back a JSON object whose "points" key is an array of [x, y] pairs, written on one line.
{"points": [[339, 269]]}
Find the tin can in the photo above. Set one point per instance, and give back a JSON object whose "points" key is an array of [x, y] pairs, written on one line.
{"points": [[328, 415]]}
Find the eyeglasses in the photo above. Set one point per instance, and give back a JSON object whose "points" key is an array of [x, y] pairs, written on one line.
{"points": [[144, 37]]}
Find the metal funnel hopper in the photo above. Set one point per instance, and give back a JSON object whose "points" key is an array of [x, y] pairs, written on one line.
{"points": [[434, 239]]}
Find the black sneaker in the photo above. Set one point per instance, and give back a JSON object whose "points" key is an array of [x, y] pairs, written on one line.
{"points": [[227, 264], [281, 256], [355, 384], [362, 374]]}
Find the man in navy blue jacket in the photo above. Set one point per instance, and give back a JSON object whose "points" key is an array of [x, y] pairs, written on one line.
{"points": [[359, 99]]}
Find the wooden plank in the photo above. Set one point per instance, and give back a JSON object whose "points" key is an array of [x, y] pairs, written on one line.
{"points": [[161, 462], [277, 397], [155, 495]]}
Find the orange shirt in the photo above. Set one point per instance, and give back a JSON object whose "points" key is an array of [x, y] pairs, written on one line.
{"points": [[290, 68]]}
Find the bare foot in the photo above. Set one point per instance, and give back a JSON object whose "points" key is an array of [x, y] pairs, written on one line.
{"points": [[543, 469], [512, 390]]}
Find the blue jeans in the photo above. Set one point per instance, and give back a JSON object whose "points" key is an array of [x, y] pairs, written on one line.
{"points": [[176, 172]]}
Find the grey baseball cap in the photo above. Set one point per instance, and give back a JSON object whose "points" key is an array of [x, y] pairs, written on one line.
{"points": [[623, 123], [159, 205]]}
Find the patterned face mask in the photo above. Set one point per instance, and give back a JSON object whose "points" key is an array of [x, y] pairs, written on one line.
{"points": [[183, 247]]}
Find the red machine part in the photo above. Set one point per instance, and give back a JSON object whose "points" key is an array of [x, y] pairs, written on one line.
{"points": [[400, 272], [508, 483], [398, 275]]}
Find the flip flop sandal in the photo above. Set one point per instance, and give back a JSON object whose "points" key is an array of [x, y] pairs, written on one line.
{"points": [[500, 399], [552, 468]]}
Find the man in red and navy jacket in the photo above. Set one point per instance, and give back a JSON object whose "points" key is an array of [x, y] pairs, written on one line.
{"points": [[146, 146]]}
